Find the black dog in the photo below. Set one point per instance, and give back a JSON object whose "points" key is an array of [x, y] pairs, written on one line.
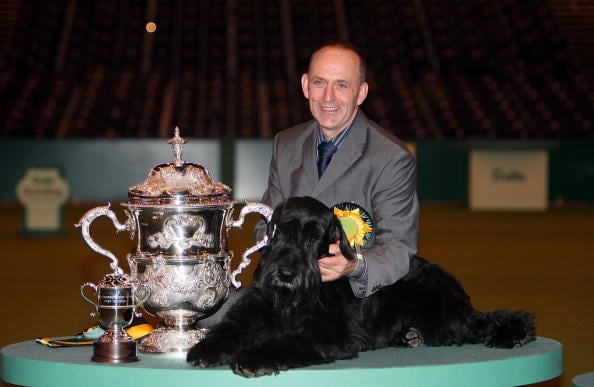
{"points": [[289, 318]]}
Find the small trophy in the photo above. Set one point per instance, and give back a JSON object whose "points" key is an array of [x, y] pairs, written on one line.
{"points": [[116, 304]]}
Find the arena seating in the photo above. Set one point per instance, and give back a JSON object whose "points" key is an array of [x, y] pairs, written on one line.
{"points": [[496, 69]]}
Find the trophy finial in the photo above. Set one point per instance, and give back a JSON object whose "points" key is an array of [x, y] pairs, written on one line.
{"points": [[177, 143]]}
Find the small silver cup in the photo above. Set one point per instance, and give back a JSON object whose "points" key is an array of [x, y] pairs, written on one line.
{"points": [[117, 298]]}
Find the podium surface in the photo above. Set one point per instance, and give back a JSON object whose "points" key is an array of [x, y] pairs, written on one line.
{"points": [[584, 380], [31, 364]]}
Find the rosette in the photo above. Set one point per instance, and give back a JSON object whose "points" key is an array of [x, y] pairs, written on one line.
{"points": [[356, 222]]}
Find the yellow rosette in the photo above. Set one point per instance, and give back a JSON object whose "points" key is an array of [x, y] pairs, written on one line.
{"points": [[356, 223]]}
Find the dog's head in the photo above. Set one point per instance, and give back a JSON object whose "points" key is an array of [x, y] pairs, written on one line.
{"points": [[299, 233]]}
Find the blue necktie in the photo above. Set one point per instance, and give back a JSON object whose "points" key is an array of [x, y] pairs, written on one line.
{"points": [[326, 150]]}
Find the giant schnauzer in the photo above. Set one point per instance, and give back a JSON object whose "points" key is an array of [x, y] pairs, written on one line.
{"points": [[289, 318]]}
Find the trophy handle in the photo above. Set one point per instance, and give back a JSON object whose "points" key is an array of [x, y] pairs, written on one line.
{"points": [[146, 293], [266, 212], [85, 222], [82, 293]]}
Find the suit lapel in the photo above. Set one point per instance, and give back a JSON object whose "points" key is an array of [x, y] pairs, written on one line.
{"points": [[310, 166]]}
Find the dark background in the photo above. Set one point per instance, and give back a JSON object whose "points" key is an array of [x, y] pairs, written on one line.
{"points": [[489, 69]]}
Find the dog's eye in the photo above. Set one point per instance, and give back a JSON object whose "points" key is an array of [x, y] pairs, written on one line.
{"points": [[311, 232], [287, 232]]}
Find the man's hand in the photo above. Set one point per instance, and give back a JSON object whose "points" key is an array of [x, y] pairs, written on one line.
{"points": [[336, 265]]}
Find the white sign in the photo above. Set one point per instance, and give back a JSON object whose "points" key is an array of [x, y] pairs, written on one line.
{"points": [[43, 192], [508, 179]]}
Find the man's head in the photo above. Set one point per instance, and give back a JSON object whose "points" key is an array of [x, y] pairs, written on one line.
{"points": [[335, 86]]}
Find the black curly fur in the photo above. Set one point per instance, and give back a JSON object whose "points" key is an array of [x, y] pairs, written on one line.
{"points": [[289, 318]]}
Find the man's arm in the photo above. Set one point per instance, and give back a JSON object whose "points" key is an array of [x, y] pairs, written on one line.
{"points": [[396, 216]]}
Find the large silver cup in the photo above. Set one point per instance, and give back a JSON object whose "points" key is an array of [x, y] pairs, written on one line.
{"points": [[180, 219], [116, 299], [184, 266]]}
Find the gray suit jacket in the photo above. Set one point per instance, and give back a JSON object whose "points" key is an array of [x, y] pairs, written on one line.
{"points": [[373, 169]]}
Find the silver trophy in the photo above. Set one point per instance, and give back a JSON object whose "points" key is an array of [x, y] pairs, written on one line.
{"points": [[180, 218], [116, 300]]}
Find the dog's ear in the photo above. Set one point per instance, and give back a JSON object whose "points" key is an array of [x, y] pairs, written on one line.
{"points": [[337, 234]]}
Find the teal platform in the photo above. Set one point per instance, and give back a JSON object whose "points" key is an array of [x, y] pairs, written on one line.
{"points": [[31, 364], [584, 380]]}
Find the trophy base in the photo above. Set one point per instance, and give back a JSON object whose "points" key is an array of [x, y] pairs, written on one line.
{"points": [[115, 352], [165, 340]]}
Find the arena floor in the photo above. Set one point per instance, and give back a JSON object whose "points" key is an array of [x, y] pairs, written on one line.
{"points": [[540, 262]]}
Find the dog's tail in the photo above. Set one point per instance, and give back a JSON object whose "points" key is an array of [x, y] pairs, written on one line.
{"points": [[505, 329]]}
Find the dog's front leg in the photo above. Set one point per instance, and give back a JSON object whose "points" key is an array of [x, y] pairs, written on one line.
{"points": [[253, 363], [273, 357], [239, 329], [215, 349]]}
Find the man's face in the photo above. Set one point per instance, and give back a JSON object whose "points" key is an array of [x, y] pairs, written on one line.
{"points": [[333, 89]]}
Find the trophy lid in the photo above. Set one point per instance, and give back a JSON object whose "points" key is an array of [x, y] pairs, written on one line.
{"points": [[117, 280], [179, 183]]}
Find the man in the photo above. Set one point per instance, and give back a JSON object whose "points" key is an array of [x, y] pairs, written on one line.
{"points": [[370, 167]]}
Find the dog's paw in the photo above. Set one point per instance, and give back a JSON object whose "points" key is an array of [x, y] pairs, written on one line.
{"points": [[495, 342], [412, 338], [250, 371], [509, 329], [514, 342], [205, 356], [252, 364]]}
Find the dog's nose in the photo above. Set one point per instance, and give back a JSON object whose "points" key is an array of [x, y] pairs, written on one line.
{"points": [[286, 274]]}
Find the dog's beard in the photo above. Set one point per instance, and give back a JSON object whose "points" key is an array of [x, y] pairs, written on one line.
{"points": [[284, 296], [288, 275], [287, 294]]}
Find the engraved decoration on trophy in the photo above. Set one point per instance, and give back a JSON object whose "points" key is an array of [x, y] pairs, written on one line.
{"points": [[179, 218]]}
